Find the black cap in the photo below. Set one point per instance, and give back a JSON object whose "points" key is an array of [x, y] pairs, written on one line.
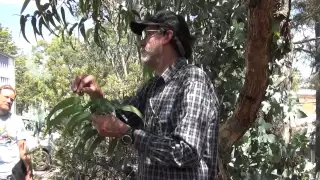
{"points": [[182, 39]]}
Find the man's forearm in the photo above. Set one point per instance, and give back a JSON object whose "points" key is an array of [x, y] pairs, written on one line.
{"points": [[165, 150], [28, 165]]}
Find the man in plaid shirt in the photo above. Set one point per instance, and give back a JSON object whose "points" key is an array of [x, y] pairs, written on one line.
{"points": [[178, 140]]}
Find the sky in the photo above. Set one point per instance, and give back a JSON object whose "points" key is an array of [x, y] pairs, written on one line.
{"points": [[9, 17]]}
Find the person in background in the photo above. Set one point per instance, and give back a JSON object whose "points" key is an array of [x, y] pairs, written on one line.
{"points": [[14, 161]]}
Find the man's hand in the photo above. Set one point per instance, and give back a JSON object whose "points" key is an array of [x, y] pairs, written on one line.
{"points": [[86, 84], [109, 125], [26, 158]]}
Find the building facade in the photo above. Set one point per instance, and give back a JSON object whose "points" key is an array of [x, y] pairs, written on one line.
{"points": [[7, 72]]}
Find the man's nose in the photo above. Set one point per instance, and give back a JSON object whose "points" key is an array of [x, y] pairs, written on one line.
{"points": [[9, 100]]}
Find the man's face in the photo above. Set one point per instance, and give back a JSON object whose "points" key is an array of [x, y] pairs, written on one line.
{"points": [[7, 97], [151, 45]]}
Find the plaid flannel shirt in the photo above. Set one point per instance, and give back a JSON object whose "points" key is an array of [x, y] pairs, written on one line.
{"points": [[180, 134]]}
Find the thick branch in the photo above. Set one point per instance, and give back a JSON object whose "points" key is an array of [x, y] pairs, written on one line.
{"points": [[257, 55]]}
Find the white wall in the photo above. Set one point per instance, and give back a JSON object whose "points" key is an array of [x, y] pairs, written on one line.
{"points": [[7, 73]]}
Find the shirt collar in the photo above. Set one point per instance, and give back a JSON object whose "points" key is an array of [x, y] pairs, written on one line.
{"points": [[168, 74]]}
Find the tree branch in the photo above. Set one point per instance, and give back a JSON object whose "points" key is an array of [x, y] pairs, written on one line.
{"points": [[304, 50], [306, 40]]}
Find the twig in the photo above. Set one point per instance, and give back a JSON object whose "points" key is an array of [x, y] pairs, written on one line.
{"points": [[306, 40]]}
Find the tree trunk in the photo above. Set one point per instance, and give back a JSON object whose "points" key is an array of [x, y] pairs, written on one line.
{"points": [[258, 54], [317, 60]]}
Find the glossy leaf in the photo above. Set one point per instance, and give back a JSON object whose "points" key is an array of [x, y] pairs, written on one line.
{"points": [[65, 113], [133, 110], [63, 104]]}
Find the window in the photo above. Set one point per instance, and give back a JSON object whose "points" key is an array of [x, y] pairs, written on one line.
{"points": [[4, 62], [4, 80]]}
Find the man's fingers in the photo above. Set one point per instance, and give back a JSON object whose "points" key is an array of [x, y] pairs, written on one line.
{"points": [[75, 83], [84, 83]]}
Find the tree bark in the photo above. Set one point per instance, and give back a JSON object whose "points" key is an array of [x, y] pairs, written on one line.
{"points": [[257, 55], [317, 60]]}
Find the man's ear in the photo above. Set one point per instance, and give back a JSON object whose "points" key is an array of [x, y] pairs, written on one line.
{"points": [[167, 37]]}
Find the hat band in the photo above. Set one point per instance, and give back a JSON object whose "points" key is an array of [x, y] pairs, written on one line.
{"points": [[180, 47]]}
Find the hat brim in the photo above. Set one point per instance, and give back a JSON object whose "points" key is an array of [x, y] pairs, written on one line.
{"points": [[138, 26]]}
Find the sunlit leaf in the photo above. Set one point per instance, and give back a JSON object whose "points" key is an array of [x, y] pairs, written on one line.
{"points": [[65, 113], [132, 109], [63, 104]]}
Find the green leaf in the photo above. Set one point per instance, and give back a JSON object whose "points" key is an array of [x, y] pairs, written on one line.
{"points": [[63, 104], [50, 18], [102, 106], [70, 8], [82, 28], [45, 6], [39, 5], [76, 120], [83, 32], [87, 133], [55, 13], [23, 20], [95, 144], [41, 22], [34, 26], [81, 4], [65, 113], [25, 4], [72, 28], [132, 109], [267, 126], [96, 36], [301, 114], [63, 14], [271, 138], [112, 146]]}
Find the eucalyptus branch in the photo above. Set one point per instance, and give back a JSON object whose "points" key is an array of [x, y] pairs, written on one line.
{"points": [[306, 40]]}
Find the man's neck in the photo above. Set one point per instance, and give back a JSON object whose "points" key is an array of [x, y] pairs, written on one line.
{"points": [[166, 62], [2, 113]]}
